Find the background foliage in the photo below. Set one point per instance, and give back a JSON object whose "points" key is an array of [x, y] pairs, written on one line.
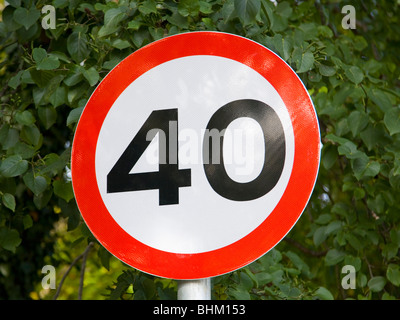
{"points": [[46, 77]]}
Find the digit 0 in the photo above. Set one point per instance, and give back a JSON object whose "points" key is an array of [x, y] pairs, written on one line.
{"points": [[274, 142]]}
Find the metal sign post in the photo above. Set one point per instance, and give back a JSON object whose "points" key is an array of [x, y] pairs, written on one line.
{"points": [[199, 289]]}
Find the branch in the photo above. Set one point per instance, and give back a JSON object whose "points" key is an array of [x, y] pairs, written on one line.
{"points": [[304, 249], [84, 257], [84, 254]]}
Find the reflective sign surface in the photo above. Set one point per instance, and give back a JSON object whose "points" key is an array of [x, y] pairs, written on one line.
{"points": [[195, 155]]}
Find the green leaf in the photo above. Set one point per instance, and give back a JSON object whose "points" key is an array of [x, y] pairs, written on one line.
{"points": [[104, 256], [205, 7], [373, 135], [134, 25], [392, 120], [247, 10], [121, 44], [74, 76], [298, 262], [376, 284], [77, 46], [75, 93], [31, 135], [14, 3], [387, 296], [239, 293], [284, 45], [15, 81], [359, 164], [363, 167], [47, 115], [42, 199], [149, 288], [63, 189], [27, 221], [360, 43], [8, 19], [48, 63], [284, 9], [189, 7], [9, 201], [54, 164], [323, 294], [91, 75], [38, 96], [323, 218], [319, 236], [178, 20], [13, 166], [25, 118], [24, 150], [9, 239], [354, 74], [325, 31], [147, 7], [74, 115], [9, 138], [354, 261], [326, 71], [70, 210], [329, 156], [41, 77], [304, 60], [61, 56], [336, 139], [334, 257], [357, 121], [267, 7], [333, 227], [245, 281], [380, 98], [354, 241], [376, 204], [141, 37], [110, 64], [26, 17], [349, 149], [52, 86], [37, 184], [39, 54], [359, 193], [25, 36], [112, 19], [390, 250], [393, 274]]}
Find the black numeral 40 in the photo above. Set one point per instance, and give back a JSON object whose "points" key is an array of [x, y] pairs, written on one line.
{"points": [[169, 178]]}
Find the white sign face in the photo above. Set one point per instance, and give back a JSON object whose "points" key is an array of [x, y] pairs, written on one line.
{"points": [[196, 87]]}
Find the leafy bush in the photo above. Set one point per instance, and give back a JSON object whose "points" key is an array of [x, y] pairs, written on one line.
{"points": [[352, 218]]}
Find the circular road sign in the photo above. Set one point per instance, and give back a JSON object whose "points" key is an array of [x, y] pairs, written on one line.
{"points": [[195, 155]]}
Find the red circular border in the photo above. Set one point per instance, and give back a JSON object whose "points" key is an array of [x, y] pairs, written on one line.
{"points": [[267, 234]]}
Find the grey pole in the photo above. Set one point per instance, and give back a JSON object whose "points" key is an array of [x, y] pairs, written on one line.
{"points": [[199, 289]]}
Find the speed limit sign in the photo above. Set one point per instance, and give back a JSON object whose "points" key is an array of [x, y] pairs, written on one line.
{"points": [[195, 155]]}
